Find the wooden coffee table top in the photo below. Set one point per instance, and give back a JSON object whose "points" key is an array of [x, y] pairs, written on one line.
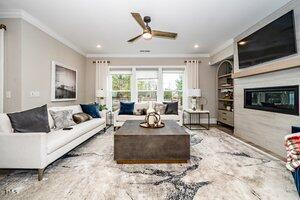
{"points": [[132, 127]]}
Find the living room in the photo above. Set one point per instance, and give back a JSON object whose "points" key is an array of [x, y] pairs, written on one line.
{"points": [[132, 100]]}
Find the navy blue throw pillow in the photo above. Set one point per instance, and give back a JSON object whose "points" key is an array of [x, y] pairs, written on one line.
{"points": [[126, 108], [91, 109]]}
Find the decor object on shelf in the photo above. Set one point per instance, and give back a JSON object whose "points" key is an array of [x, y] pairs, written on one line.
{"points": [[194, 93], [64, 83]]}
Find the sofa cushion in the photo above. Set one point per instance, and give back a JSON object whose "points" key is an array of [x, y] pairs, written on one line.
{"points": [[5, 125], [59, 138], [28, 121], [123, 118], [170, 117], [126, 108], [91, 109], [140, 106]]}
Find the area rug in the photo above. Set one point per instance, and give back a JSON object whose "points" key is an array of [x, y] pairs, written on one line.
{"points": [[221, 167]]}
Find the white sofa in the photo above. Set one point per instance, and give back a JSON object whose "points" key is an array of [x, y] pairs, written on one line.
{"points": [[119, 120], [38, 150]]}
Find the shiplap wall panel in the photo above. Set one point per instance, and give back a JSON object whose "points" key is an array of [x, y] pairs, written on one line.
{"points": [[266, 129]]}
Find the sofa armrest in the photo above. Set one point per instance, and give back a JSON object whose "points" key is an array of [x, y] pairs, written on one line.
{"points": [[180, 114], [116, 114], [23, 150]]}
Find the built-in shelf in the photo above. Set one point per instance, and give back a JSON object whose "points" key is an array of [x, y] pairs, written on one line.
{"points": [[225, 75], [225, 99]]}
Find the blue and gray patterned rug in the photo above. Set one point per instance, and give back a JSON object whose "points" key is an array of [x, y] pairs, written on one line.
{"points": [[220, 168]]}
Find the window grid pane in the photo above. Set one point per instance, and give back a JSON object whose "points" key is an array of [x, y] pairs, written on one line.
{"points": [[121, 89]]}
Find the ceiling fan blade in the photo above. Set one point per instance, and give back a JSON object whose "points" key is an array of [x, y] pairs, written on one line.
{"points": [[135, 38], [164, 34], [139, 20]]}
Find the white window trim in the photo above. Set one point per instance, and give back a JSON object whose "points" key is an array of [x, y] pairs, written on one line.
{"points": [[134, 90]]}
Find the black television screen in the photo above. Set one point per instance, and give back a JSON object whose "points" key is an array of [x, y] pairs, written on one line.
{"points": [[275, 40]]}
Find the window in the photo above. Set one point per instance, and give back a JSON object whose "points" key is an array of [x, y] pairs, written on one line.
{"points": [[140, 84], [121, 88], [147, 84], [173, 85]]}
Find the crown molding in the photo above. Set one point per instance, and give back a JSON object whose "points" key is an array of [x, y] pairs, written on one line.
{"points": [[18, 13], [223, 46], [147, 55]]}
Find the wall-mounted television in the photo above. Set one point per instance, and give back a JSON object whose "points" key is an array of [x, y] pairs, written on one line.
{"points": [[273, 41]]}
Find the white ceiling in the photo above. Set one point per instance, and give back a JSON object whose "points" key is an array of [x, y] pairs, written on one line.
{"points": [[86, 23]]}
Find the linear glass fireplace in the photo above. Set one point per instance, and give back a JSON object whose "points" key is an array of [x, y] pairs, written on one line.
{"points": [[283, 99]]}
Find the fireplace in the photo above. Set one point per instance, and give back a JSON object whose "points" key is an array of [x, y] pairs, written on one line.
{"points": [[283, 99]]}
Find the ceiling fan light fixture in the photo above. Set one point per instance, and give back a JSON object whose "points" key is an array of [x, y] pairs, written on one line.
{"points": [[147, 36]]}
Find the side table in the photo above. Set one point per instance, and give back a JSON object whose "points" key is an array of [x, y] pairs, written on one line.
{"points": [[192, 121]]}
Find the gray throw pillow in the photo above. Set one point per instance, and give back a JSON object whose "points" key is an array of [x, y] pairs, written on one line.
{"points": [[172, 108], [62, 119], [33, 120]]}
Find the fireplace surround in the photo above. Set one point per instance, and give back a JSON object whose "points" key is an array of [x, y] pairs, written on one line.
{"points": [[282, 99]]}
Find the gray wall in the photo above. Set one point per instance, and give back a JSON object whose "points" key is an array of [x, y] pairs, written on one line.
{"points": [[12, 64], [263, 128], [207, 75], [28, 55]]}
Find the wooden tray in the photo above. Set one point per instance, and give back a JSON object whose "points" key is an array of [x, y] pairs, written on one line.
{"points": [[145, 125]]}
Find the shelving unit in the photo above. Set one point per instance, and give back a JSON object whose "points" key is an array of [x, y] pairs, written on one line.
{"points": [[225, 93]]}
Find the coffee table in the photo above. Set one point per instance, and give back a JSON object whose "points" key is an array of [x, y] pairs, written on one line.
{"points": [[134, 144]]}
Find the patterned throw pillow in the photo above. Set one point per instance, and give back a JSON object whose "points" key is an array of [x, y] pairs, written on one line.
{"points": [[160, 108], [62, 119]]}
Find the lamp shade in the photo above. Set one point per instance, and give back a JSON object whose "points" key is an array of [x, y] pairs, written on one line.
{"points": [[100, 93], [194, 93]]}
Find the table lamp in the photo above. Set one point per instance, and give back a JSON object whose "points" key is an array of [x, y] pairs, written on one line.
{"points": [[100, 94], [194, 93]]}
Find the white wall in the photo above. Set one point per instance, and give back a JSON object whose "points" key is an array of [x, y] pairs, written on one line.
{"points": [[263, 128]]}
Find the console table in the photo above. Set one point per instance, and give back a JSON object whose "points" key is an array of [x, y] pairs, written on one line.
{"points": [[193, 122]]}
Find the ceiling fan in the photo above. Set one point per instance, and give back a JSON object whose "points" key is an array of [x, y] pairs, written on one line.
{"points": [[148, 33]]}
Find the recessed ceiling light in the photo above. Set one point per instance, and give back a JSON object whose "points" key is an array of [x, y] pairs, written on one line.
{"points": [[242, 42], [196, 46], [98, 46]]}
